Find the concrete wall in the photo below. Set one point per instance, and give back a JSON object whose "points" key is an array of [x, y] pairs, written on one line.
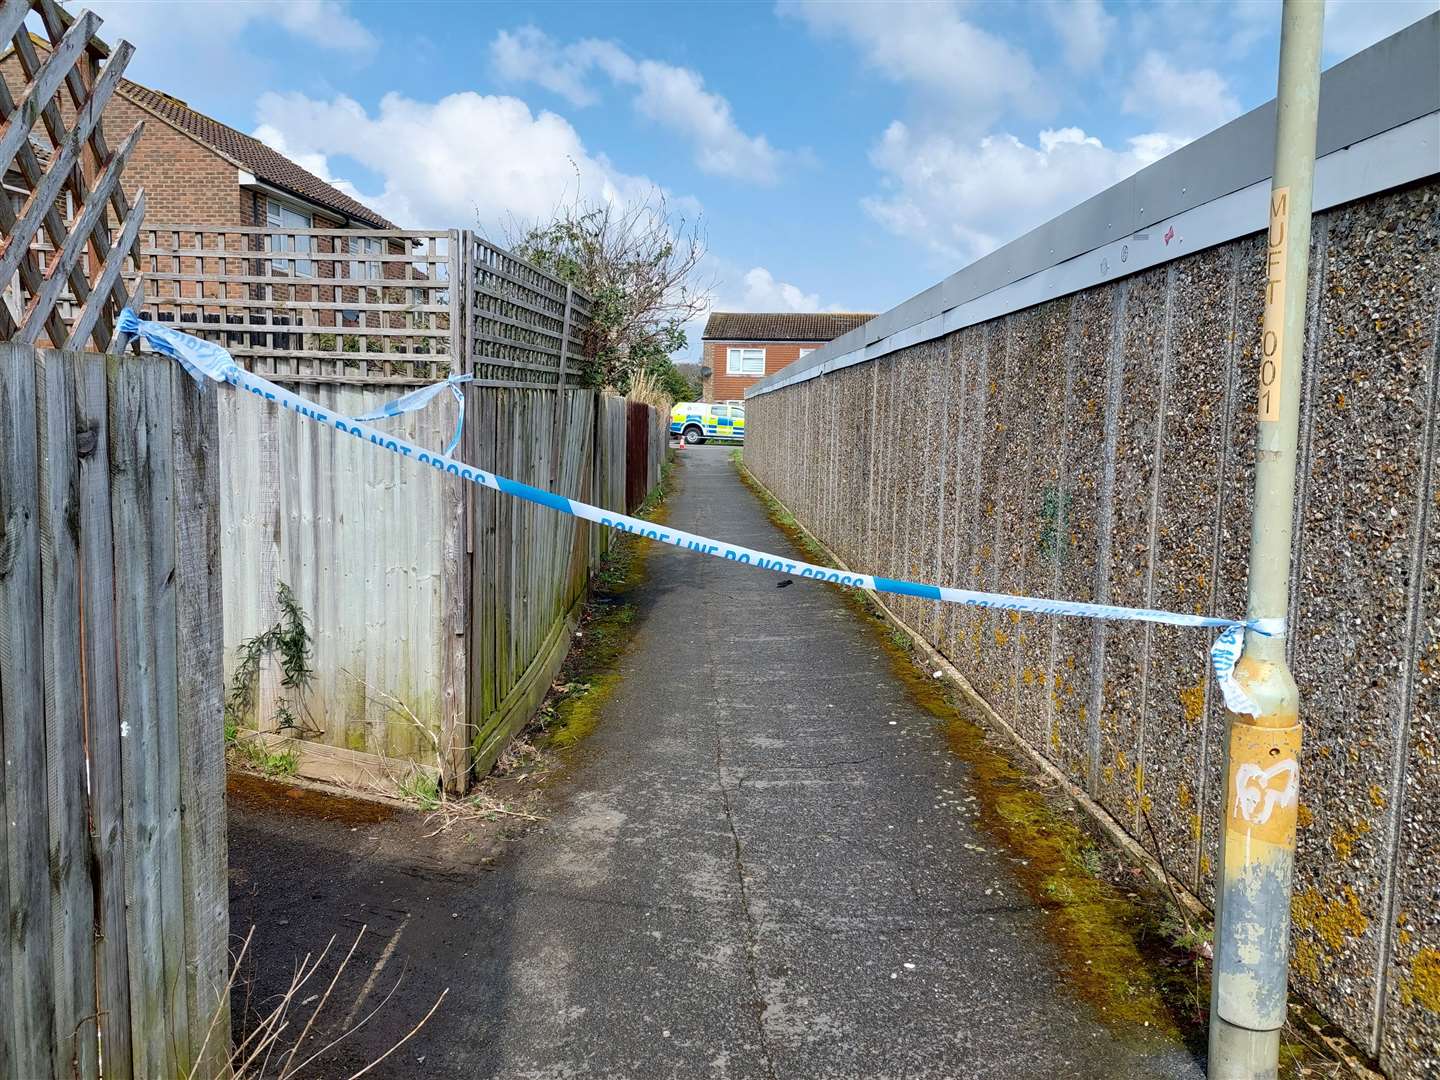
{"points": [[1099, 446]]}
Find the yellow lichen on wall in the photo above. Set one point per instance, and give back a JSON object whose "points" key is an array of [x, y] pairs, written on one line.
{"points": [[1192, 700], [1325, 925], [1344, 840], [1423, 986]]}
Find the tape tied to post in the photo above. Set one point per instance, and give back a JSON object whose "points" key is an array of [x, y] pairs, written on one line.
{"points": [[206, 360]]}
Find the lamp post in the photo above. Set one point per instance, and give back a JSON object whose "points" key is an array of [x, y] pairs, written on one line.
{"points": [[1257, 848]]}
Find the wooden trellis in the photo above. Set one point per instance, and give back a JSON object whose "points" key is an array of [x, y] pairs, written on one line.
{"points": [[49, 254]]}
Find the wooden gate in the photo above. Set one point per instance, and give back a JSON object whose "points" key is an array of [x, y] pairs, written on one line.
{"points": [[113, 900]]}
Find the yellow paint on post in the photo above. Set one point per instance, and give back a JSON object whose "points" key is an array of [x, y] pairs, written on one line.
{"points": [[1262, 798]]}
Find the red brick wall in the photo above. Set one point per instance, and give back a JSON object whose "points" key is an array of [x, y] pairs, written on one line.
{"points": [[184, 182], [722, 386]]}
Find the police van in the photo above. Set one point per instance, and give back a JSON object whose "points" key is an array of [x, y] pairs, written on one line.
{"points": [[696, 421]]}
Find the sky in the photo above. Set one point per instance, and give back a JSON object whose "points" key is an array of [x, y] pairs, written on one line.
{"points": [[841, 156]]}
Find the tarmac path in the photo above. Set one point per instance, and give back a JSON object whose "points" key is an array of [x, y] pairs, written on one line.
{"points": [[763, 866]]}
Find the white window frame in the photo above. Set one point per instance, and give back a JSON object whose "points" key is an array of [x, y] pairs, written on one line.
{"points": [[363, 269], [275, 212], [737, 357], [806, 350]]}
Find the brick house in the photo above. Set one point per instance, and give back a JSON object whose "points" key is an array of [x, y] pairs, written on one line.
{"points": [[740, 348], [198, 171]]}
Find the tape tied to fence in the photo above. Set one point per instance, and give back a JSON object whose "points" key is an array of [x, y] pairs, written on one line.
{"points": [[207, 360], [418, 399]]}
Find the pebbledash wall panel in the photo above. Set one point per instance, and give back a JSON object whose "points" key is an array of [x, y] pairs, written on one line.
{"points": [[1099, 446]]}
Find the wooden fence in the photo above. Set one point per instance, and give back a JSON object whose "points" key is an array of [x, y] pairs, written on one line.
{"points": [[364, 306], [344, 305], [438, 612], [113, 895], [647, 432]]}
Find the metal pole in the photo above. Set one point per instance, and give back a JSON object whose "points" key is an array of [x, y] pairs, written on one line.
{"points": [[1257, 852]]}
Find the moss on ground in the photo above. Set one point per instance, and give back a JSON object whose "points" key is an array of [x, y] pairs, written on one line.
{"points": [[607, 625]]}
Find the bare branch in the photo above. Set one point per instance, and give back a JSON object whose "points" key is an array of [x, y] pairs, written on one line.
{"points": [[639, 262]]}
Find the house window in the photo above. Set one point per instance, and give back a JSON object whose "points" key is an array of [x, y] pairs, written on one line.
{"points": [[806, 351], [745, 362], [362, 269], [280, 216]]}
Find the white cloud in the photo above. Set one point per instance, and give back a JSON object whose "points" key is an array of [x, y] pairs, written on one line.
{"points": [[175, 29], [1189, 102], [1084, 28], [673, 97], [1351, 25], [322, 22], [963, 199], [760, 291], [968, 72], [529, 55], [464, 160], [218, 56]]}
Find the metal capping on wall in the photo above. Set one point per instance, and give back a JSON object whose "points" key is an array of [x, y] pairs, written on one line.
{"points": [[1379, 129]]}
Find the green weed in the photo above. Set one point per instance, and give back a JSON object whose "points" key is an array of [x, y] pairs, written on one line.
{"points": [[420, 787], [290, 641], [256, 755]]}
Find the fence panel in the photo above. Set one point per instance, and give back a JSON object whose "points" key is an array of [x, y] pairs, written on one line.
{"points": [[338, 305], [92, 604], [523, 325], [637, 454], [531, 564], [398, 306]]}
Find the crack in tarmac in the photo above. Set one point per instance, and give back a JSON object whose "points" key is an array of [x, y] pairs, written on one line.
{"points": [[751, 936]]}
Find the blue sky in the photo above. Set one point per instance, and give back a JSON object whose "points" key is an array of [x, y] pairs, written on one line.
{"points": [[843, 156]]}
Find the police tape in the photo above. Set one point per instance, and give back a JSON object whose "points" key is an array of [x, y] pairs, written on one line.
{"points": [[416, 400], [207, 360]]}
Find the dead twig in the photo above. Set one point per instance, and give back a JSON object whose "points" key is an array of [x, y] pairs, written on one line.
{"points": [[402, 1042], [250, 1058], [1165, 875]]}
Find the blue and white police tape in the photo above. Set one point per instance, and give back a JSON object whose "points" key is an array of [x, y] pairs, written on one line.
{"points": [[418, 399], [212, 361]]}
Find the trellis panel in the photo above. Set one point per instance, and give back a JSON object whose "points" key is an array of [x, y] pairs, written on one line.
{"points": [[74, 296]]}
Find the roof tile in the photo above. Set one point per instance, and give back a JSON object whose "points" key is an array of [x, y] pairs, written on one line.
{"points": [[782, 325], [269, 165]]}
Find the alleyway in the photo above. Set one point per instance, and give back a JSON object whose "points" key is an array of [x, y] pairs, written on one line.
{"points": [[762, 866]]}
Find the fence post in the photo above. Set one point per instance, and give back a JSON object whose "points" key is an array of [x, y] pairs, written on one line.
{"points": [[560, 382], [459, 307]]}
